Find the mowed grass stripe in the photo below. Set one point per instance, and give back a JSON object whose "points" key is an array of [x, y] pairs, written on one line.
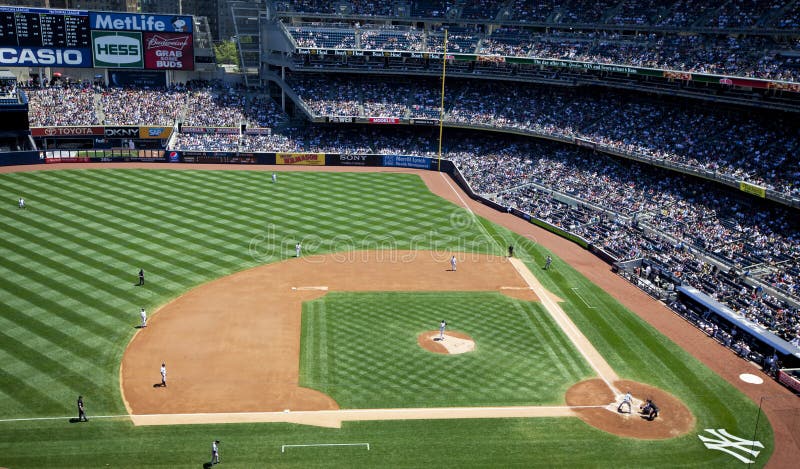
{"points": [[141, 225], [561, 353]]}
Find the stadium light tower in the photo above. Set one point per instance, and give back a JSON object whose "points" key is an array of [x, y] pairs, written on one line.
{"points": [[441, 107]]}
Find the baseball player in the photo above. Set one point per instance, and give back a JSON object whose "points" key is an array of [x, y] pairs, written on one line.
{"points": [[164, 375], [21, 202], [626, 400], [442, 326], [274, 177], [143, 314], [81, 411], [453, 263], [547, 262], [297, 250], [215, 452], [141, 277]]}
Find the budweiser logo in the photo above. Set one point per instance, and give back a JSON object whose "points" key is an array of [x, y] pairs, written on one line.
{"points": [[178, 43]]}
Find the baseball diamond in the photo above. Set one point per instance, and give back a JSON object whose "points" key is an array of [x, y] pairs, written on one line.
{"points": [[267, 351]]}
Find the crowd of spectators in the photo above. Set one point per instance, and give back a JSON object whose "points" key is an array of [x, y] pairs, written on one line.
{"points": [[198, 103], [312, 36], [755, 56], [723, 14], [134, 106], [763, 150], [61, 106]]}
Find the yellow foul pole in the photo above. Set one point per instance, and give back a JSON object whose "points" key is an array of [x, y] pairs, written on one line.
{"points": [[441, 107]]}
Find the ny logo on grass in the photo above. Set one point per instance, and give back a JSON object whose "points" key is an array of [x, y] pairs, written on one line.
{"points": [[726, 442]]}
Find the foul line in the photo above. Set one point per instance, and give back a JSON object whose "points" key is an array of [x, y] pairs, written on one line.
{"points": [[33, 419], [320, 288], [283, 447], [595, 360], [575, 290]]}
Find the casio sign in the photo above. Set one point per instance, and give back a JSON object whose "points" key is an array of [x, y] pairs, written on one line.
{"points": [[12, 56]]}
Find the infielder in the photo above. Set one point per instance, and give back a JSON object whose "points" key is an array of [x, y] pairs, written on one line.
{"points": [[453, 263], [442, 326], [164, 375], [297, 250], [143, 314]]}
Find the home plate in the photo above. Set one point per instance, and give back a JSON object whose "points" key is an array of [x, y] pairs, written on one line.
{"points": [[320, 288], [749, 378]]}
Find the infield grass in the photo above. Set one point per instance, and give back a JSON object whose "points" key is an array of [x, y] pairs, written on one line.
{"points": [[68, 267], [361, 349]]}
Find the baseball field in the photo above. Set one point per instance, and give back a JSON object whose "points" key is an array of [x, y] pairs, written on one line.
{"points": [[340, 339]]}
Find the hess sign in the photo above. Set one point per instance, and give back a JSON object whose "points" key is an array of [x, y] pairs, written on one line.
{"points": [[117, 49]]}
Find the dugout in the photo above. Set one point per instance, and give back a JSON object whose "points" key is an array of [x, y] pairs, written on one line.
{"points": [[766, 341]]}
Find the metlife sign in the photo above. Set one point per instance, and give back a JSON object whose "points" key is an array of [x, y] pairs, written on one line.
{"points": [[140, 22], [117, 49]]}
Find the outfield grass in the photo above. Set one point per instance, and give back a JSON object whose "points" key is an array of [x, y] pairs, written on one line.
{"points": [[67, 268], [361, 349]]}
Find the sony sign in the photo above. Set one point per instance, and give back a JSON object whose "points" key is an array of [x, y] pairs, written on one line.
{"points": [[44, 56], [116, 49]]}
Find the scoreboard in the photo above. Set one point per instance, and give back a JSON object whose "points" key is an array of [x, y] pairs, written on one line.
{"points": [[34, 27], [41, 37]]}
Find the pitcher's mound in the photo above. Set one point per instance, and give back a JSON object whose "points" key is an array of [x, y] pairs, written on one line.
{"points": [[453, 343]]}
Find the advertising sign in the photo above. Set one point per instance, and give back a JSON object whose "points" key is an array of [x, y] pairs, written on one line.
{"points": [[753, 189], [402, 161], [117, 49], [140, 22], [45, 57], [152, 132], [168, 51], [310, 159], [121, 132], [141, 78], [75, 131], [210, 130], [384, 120]]}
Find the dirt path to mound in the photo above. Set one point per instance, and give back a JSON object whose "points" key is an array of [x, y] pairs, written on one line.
{"points": [[233, 344]]}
